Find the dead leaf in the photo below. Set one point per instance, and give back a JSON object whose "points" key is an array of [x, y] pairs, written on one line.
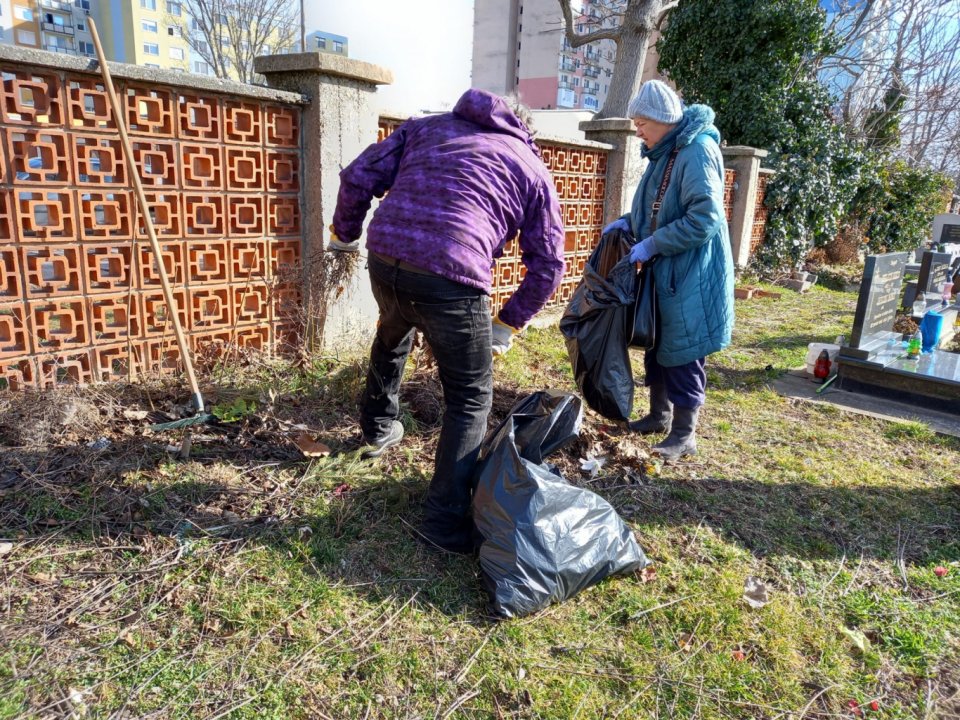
{"points": [[521, 673], [309, 446], [685, 641], [41, 578], [6, 548], [288, 631], [861, 641], [135, 414], [755, 592], [648, 574], [129, 640]]}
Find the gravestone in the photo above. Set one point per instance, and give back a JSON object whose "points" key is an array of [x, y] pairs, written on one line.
{"points": [[946, 229], [875, 360], [934, 268], [876, 307]]}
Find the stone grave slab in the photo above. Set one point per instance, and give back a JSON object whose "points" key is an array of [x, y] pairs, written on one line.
{"points": [[876, 311], [946, 229]]}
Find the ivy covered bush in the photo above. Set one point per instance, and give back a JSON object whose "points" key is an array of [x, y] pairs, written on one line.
{"points": [[746, 59]]}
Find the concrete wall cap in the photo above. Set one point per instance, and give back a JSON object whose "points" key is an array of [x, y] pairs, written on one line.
{"points": [[572, 142], [325, 64], [743, 151], [609, 124], [122, 71], [767, 171]]}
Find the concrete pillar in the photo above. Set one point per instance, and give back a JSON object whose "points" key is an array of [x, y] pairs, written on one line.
{"points": [[746, 162], [624, 164], [338, 124]]}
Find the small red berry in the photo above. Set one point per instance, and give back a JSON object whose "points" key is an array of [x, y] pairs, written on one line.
{"points": [[739, 655], [855, 708], [940, 571], [874, 705]]}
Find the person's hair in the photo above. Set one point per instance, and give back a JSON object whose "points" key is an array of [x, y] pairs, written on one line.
{"points": [[520, 110]]}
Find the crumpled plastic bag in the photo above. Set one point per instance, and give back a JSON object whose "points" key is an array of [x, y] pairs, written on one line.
{"points": [[598, 327], [544, 539]]}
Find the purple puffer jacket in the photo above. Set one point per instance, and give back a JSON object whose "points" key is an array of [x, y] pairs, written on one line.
{"points": [[461, 185]]}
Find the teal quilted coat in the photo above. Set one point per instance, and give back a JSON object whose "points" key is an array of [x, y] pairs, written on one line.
{"points": [[694, 264]]}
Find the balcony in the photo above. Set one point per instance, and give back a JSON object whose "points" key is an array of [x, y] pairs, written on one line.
{"points": [[593, 72], [590, 90], [565, 85], [63, 29], [60, 49], [55, 5]]}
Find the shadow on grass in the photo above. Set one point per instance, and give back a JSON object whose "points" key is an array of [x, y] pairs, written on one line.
{"points": [[805, 520], [362, 537]]}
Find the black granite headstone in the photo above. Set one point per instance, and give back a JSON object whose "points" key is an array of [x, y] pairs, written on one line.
{"points": [[949, 234], [876, 305], [934, 268]]}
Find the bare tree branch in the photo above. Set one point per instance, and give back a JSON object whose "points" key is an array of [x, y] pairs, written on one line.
{"points": [[229, 34]]}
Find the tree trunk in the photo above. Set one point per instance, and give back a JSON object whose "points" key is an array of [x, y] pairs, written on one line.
{"points": [[639, 20]]}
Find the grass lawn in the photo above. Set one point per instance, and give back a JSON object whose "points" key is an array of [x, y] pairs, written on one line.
{"points": [[246, 581]]}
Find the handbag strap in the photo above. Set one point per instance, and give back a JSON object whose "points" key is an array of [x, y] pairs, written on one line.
{"points": [[663, 189]]}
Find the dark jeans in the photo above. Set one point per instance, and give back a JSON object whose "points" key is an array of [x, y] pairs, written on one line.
{"points": [[455, 321]]}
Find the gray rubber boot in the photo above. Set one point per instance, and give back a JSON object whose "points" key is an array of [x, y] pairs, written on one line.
{"points": [[660, 415], [682, 438]]}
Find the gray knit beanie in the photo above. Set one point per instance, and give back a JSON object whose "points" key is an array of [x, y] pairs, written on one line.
{"points": [[656, 101]]}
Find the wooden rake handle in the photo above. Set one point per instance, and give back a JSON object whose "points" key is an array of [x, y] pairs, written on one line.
{"points": [[147, 219]]}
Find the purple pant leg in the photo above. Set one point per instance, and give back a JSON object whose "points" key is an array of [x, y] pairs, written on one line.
{"points": [[686, 384]]}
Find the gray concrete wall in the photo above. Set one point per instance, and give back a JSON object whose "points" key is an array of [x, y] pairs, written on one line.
{"points": [[339, 123]]}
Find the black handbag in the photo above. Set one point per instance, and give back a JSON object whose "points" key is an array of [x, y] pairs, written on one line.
{"points": [[645, 310], [645, 314]]}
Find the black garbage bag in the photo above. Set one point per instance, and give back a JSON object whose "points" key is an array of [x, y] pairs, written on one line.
{"points": [[544, 539], [598, 325]]}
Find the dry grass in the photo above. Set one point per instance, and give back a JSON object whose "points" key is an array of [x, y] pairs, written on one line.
{"points": [[245, 580]]}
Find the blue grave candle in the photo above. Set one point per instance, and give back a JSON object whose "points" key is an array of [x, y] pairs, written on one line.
{"points": [[930, 327]]}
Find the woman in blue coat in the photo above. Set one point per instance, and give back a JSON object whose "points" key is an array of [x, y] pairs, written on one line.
{"points": [[689, 245]]}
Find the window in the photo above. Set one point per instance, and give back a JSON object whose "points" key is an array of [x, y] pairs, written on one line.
{"points": [[86, 48], [176, 53], [82, 4], [224, 42], [337, 46], [201, 67], [148, 4], [152, 65], [151, 49], [23, 13], [81, 25], [321, 43], [26, 37], [149, 26], [173, 8], [174, 31], [222, 19]]}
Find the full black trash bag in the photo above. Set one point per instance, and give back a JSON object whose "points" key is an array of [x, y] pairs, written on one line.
{"points": [[598, 325], [544, 539]]}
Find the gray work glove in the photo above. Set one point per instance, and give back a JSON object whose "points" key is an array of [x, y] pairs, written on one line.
{"points": [[338, 245], [501, 336]]}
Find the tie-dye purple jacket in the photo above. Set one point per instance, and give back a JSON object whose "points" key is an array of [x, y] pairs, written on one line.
{"points": [[461, 185]]}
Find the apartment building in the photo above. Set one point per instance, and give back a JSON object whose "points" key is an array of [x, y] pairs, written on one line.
{"points": [[151, 33], [520, 45], [147, 32], [328, 42], [47, 25]]}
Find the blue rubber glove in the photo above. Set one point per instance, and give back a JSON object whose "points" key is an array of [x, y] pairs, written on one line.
{"points": [[618, 224], [643, 250]]}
